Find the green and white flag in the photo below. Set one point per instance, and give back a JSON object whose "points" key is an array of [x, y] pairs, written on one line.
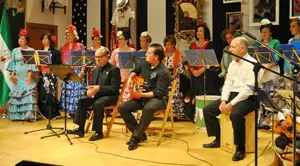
{"points": [[5, 53]]}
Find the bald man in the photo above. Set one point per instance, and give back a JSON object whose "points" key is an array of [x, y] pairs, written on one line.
{"points": [[104, 91], [237, 99]]}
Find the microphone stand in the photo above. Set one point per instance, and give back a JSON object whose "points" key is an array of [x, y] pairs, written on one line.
{"points": [[257, 67], [295, 72]]}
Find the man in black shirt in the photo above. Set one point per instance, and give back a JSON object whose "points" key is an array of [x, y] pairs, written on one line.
{"points": [[153, 99], [106, 80]]}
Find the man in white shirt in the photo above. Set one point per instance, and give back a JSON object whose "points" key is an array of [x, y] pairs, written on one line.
{"points": [[237, 99]]}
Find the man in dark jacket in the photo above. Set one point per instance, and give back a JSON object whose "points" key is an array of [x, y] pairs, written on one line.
{"points": [[104, 91], [153, 99]]}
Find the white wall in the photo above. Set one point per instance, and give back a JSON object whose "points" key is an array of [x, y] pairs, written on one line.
{"points": [[34, 14], [251, 29], [157, 20], [93, 19]]}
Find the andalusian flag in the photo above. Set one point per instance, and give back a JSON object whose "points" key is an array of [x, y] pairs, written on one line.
{"points": [[5, 51]]}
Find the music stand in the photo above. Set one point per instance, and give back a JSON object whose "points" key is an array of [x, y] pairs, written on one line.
{"points": [[29, 58], [89, 56], [66, 73], [203, 58], [43, 58], [76, 58], [139, 58], [125, 60], [289, 52]]}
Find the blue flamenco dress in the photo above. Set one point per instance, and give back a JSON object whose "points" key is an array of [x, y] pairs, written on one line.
{"points": [[74, 90], [22, 102]]}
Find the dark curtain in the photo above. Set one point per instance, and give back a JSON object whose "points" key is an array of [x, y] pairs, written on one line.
{"points": [[170, 17], [219, 23], [142, 19], [79, 12]]}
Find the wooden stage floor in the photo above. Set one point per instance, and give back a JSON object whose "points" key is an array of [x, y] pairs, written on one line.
{"points": [[15, 146]]}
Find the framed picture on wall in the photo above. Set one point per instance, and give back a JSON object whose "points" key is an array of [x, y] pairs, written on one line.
{"points": [[260, 9], [294, 8], [231, 1], [234, 20]]}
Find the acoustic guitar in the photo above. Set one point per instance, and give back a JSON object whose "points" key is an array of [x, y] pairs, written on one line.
{"points": [[138, 84], [289, 130]]}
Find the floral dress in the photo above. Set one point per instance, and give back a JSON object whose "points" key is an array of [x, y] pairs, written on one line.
{"points": [[73, 90], [178, 100], [47, 88], [22, 102]]}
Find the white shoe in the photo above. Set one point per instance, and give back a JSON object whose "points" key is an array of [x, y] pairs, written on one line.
{"points": [[4, 116]]}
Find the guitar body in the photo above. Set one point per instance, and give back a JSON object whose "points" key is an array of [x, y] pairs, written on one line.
{"points": [[289, 130], [137, 87]]}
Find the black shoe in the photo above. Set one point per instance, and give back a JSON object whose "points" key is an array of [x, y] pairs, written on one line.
{"points": [[96, 136], [142, 138], [214, 144], [134, 143], [239, 155], [76, 132]]}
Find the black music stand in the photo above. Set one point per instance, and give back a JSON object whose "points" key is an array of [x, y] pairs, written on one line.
{"points": [[205, 58], [269, 105], [139, 58], [264, 55], [76, 58], [126, 60], [44, 58], [290, 53], [89, 56], [66, 73], [29, 57]]}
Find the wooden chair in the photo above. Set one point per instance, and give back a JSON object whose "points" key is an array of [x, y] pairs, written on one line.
{"points": [[110, 123], [227, 139], [165, 112]]}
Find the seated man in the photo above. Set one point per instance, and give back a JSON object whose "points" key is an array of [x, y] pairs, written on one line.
{"points": [[155, 98], [286, 137], [237, 99], [106, 80]]}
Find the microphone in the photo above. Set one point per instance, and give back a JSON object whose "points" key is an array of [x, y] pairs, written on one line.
{"points": [[88, 64]]}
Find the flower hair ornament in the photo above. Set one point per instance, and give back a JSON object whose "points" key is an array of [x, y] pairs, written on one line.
{"points": [[72, 29], [144, 34], [96, 33], [23, 32], [53, 39], [202, 23], [119, 34], [265, 21]]}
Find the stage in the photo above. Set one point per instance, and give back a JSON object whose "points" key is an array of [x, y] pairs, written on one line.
{"points": [[16, 146]]}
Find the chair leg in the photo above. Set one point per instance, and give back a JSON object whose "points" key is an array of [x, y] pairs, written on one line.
{"points": [[110, 124], [163, 128], [89, 122]]}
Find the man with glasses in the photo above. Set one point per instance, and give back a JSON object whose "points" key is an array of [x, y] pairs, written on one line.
{"points": [[104, 91], [237, 99]]}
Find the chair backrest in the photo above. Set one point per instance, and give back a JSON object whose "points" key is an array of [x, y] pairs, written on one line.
{"points": [[122, 90]]}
